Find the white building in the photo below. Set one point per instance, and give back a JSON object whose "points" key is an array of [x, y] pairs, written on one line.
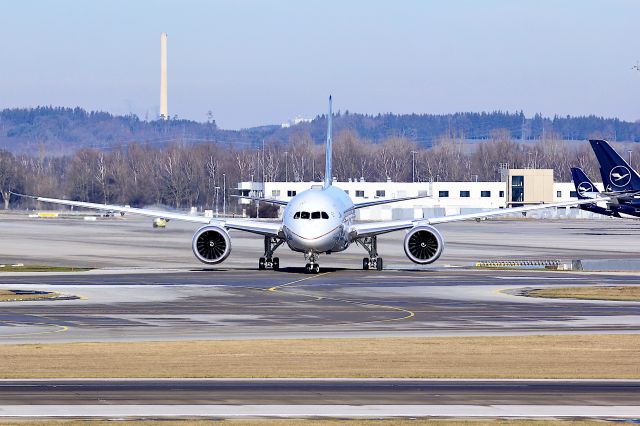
{"points": [[443, 198]]}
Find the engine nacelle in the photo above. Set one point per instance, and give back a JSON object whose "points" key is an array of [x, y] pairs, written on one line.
{"points": [[211, 244], [423, 244]]}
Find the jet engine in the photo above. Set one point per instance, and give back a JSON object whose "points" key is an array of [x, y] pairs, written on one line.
{"points": [[423, 244], [211, 244]]}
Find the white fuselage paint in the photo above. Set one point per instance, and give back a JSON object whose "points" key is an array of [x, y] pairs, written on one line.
{"points": [[319, 235]]}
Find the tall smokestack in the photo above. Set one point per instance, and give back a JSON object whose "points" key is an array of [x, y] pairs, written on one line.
{"points": [[164, 112]]}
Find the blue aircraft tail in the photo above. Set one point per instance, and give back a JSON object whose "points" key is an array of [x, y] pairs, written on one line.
{"points": [[617, 175], [582, 183], [584, 188]]}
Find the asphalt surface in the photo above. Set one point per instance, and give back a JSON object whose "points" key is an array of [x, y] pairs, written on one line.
{"points": [[246, 304], [318, 392]]}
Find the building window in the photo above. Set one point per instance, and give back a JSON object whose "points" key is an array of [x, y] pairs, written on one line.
{"points": [[485, 194], [443, 194], [501, 193], [517, 189], [359, 193], [380, 193], [573, 194], [559, 194], [275, 192], [291, 193], [465, 194]]}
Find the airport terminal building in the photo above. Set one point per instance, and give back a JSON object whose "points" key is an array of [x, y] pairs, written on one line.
{"points": [[518, 187]]}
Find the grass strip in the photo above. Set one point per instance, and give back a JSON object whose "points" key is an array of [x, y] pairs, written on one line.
{"points": [[564, 356], [11, 296], [621, 293]]}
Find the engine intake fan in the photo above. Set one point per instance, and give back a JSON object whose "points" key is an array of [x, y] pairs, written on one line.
{"points": [[423, 244]]}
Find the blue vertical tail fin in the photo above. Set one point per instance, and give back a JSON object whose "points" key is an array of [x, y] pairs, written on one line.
{"points": [[617, 175], [582, 183], [328, 177]]}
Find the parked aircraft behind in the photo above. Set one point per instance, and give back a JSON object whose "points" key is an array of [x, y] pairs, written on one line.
{"points": [[586, 189], [318, 220], [621, 182]]}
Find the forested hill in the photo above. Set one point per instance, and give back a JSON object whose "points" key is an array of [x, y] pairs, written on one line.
{"points": [[59, 131]]}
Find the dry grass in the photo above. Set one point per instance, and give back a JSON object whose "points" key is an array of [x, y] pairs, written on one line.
{"points": [[290, 422], [622, 293], [10, 296], [567, 356]]}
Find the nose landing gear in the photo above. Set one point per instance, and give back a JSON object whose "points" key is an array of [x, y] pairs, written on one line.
{"points": [[312, 267], [268, 261]]}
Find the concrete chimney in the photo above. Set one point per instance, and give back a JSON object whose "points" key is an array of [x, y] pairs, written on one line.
{"points": [[164, 112]]}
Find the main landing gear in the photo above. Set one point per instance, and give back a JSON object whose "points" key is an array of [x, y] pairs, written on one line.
{"points": [[312, 267], [370, 244], [268, 261]]}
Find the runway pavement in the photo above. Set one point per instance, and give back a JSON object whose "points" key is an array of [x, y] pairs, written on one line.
{"points": [[350, 398], [246, 304]]}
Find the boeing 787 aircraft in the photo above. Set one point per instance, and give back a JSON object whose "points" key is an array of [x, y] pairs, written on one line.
{"points": [[316, 221]]}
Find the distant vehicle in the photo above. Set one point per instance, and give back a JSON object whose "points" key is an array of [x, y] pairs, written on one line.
{"points": [[319, 220]]}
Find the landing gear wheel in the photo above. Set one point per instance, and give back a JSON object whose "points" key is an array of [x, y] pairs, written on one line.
{"points": [[307, 268], [315, 268], [261, 263], [365, 263], [276, 263], [379, 264]]}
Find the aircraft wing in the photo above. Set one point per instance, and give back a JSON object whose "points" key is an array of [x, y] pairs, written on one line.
{"points": [[264, 200], [252, 226], [387, 201], [376, 228]]}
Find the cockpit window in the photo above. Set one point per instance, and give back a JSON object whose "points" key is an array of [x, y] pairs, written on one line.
{"points": [[312, 215]]}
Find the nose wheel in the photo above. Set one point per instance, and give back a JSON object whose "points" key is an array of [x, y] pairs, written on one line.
{"points": [[312, 268]]}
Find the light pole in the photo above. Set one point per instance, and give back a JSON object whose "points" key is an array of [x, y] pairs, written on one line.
{"points": [[286, 166], [224, 194], [629, 151], [217, 188], [413, 165]]}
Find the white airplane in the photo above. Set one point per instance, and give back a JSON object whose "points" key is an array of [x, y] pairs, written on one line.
{"points": [[318, 220]]}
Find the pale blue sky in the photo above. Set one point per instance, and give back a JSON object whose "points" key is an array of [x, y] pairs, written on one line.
{"points": [[262, 62]]}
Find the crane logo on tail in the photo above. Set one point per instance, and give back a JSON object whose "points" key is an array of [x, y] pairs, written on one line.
{"points": [[585, 187], [620, 176]]}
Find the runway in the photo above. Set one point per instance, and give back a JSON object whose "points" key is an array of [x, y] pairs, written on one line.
{"points": [[319, 391], [319, 398], [248, 304]]}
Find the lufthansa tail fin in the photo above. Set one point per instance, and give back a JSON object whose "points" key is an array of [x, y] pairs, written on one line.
{"points": [[617, 175], [584, 186], [328, 177]]}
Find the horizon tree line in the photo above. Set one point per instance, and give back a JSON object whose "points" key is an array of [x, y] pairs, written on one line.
{"points": [[181, 175]]}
